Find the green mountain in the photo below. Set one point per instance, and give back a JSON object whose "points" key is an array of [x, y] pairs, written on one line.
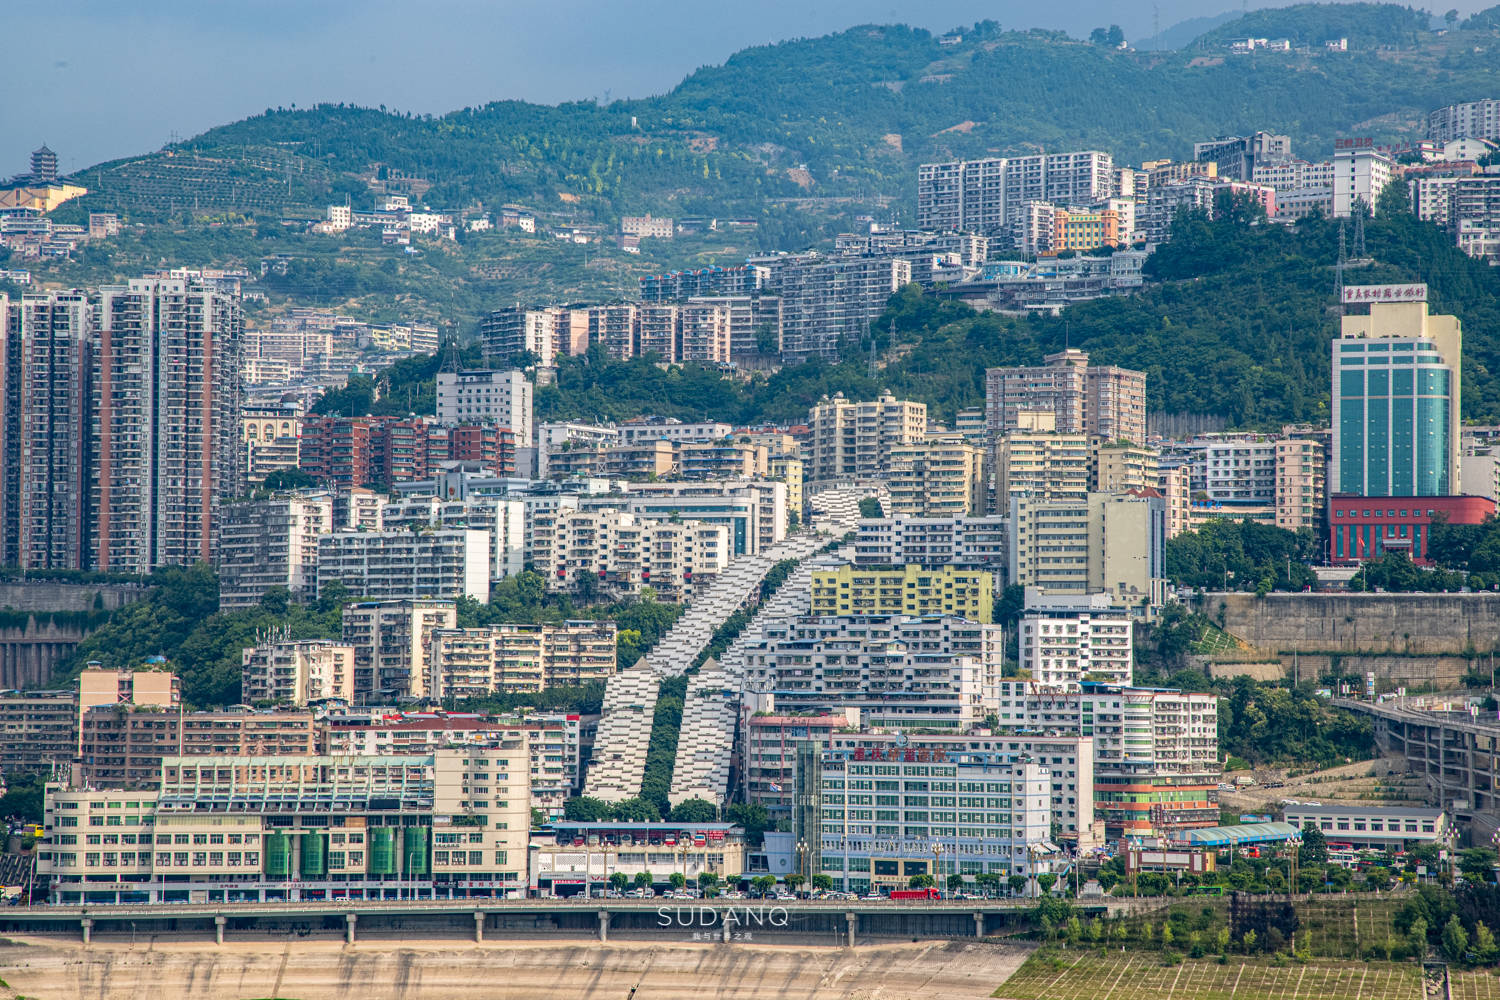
{"points": [[824, 127], [1365, 25]]}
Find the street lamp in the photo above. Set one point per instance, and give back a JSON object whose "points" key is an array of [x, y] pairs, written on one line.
{"points": [[937, 868]]}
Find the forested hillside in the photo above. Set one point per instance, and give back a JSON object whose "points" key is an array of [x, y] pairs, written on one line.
{"points": [[842, 120], [1238, 325]]}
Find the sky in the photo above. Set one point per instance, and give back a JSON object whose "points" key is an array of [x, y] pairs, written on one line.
{"points": [[106, 79]]}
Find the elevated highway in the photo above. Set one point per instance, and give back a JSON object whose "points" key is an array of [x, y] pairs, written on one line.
{"points": [[843, 922]]}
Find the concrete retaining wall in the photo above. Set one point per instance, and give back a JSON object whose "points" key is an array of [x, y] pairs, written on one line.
{"points": [[1399, 624], [1391, 672], [28, 654], [416, 970]]}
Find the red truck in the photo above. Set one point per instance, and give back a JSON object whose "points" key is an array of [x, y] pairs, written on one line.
{"points": [[915, 894]]}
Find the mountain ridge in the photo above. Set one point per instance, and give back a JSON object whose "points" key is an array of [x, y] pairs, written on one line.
{"points": [[834, 125]]}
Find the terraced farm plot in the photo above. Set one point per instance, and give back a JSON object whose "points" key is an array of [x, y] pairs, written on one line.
{"points": [[1142, 976], [1479, 985]]}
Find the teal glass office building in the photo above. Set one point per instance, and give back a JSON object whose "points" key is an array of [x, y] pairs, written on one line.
{"points": [[1396, 404]]}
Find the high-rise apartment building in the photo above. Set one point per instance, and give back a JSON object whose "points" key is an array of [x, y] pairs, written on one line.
{"points": [[1117, 466], [940, 476], [1111, 543], [542, 334], [947, 541], [976, 195], [1473, 120], [271, 543], [503, 518], [520, 657], [121, 425], [904, 590], [49, 412], [1360, 176], [614, 326], [1001, 826], [1237, 157], [166, 422], [1036, 460], [932, 672], [828, 303], [296, 671], [444, 563], [392, 641], [487, 397], [1476, 215], [1068, 639], [1396, 400], [856, 440], [1101, 401]]}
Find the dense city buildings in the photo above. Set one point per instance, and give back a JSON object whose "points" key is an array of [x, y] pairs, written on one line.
{"points": [[855, 440], [875, 821], [122, 432], [911, 589], [395, 564], [486, 397], [1065, 640], [41, 730], [939, 476], [979, 542], [933, 672], [230, 829], [286, 671], [1106, 543], [122, 746], [1474, 120], [1096, 401], [475, 662], [392, 643], [977, 196], [271, 543]]}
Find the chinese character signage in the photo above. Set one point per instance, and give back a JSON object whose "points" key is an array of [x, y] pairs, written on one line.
{"points": [[1359, 294], [1363, 142]]}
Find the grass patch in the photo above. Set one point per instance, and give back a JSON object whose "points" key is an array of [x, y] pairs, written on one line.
{"points": [[1086, 975]]}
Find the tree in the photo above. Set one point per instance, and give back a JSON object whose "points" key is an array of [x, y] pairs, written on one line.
{"points": [[708, 883], [643, 880], [988, 882], [678, 880], [955, 882], [822, 882], [1017, 884], [1485, 949], [923, 881], [1455, 939], [1477, 862], [585, 809], [618, 881], [23, 797], [694, 811], [763, 884], [1314, 849], [1416, 936], [289, 479], [636, 810], [1046, 880], [794, 882]]}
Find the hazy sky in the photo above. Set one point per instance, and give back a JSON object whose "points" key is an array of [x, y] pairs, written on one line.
{"points": [[97, 80]]}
